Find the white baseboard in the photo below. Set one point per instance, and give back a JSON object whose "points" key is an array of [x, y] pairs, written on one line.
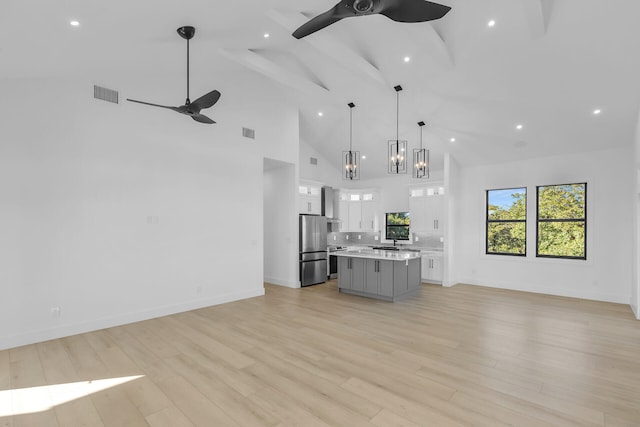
{"points": [[635, 310], [571, 293], [282, 282], [33, 337]]}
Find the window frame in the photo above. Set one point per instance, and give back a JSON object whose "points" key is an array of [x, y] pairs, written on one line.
{"points": [[488, 221], [567, 220], [386, 227]]}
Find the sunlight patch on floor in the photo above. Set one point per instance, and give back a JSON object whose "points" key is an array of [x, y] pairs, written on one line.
{"points": [[38, 399]]}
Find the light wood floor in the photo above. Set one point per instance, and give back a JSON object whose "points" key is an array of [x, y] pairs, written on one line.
{"points": [[312, 357]]}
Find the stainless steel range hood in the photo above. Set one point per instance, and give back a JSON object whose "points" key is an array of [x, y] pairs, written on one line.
{"points": [[327, 203]]}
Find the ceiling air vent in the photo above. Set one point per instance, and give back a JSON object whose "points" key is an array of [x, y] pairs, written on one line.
{"points": [[313, 161], [249, 133], [105, 94]]}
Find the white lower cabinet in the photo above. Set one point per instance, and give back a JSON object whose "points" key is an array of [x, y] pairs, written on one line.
{"points": [[432, 267]]}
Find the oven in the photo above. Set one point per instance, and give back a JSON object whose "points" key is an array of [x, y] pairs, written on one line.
{"points": [[332, 264]]}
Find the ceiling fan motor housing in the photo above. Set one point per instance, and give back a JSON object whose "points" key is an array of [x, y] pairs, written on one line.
{"points": [[186, 32], [363, 6]]}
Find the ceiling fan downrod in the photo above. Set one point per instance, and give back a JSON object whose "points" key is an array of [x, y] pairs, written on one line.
{"points": [[187, 33]]}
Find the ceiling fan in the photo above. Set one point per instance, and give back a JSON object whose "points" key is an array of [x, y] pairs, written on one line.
{"points": [[190, 108], [396, 10]]}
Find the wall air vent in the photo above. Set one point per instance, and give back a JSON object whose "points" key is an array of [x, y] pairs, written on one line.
{"points": [[313, 161], [105, 94], [249, 133]]}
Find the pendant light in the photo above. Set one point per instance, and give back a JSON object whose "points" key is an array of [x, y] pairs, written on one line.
{"points": [[421, 159], [397, 150], [351, 159]]}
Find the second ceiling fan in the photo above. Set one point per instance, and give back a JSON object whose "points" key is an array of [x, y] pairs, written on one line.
{"points": [[396, 10]]}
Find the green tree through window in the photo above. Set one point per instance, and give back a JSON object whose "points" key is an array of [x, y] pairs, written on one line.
{"points": [[397, 226], [507, 222], [562, 221]]}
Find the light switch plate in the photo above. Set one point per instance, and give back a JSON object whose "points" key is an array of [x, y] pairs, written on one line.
{"points": [[359, 237]]}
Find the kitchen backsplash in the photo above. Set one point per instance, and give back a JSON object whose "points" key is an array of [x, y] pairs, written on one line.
{"points": [[428, 241], [353, 238]]}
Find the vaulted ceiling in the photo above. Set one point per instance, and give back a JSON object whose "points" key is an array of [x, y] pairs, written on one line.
{"points": [[545, 65]]}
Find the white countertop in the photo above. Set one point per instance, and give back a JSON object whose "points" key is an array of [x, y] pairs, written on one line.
{"points": [[378, 254]]}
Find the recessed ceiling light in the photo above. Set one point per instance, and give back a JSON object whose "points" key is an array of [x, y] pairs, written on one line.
{"points": [[364, 157], [597, 111], [452, 140], [407, 58], [320, 114], [74, 23], [266, 35], [491, 23], [519, 127]]}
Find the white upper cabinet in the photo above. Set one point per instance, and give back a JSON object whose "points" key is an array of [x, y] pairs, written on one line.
{"points": [[426, 206], [310, 198], [358, 211]]}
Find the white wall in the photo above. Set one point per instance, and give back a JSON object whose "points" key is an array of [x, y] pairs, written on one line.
{"points": [[635, 288], [280, 224], [607, 273], [117, 213], [323, 172], [451, 211]]}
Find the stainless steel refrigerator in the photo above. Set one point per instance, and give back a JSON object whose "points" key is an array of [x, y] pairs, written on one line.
{"points": [[313, 249]]}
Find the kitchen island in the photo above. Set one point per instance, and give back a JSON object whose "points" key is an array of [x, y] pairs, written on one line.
{"points": [[381, 274]]}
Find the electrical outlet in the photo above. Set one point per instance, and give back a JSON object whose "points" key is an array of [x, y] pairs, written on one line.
{"points": [[417, 239], [347, 236], [375, 238], [335, 237], [55, 311], [359, 237]]}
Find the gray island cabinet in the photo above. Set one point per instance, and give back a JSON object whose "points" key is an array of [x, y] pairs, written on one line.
{"points": [[385, 275]]}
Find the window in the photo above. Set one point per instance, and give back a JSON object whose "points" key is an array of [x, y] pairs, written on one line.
{"points": [[562, 221], [507, 222], [397, 226]]}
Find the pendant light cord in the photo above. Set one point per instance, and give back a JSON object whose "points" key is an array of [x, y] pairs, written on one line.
{"points": [[397, 119], [350, 127]]}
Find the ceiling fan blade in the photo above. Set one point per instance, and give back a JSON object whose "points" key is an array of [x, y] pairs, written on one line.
{"points": [[331, 16], [154, 105], [202, 118], [206, 101], [414, 10]]}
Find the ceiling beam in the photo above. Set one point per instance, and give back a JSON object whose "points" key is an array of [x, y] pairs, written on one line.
{"points": [[260, 64], [329, 46], [537, 13]]}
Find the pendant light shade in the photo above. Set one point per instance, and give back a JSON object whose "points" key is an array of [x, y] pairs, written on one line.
{"points": [[421, 159], [351, 159], [397, 149]]}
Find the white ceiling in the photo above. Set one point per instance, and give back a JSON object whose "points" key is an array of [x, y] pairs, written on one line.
{"points": [[546, 64]]}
